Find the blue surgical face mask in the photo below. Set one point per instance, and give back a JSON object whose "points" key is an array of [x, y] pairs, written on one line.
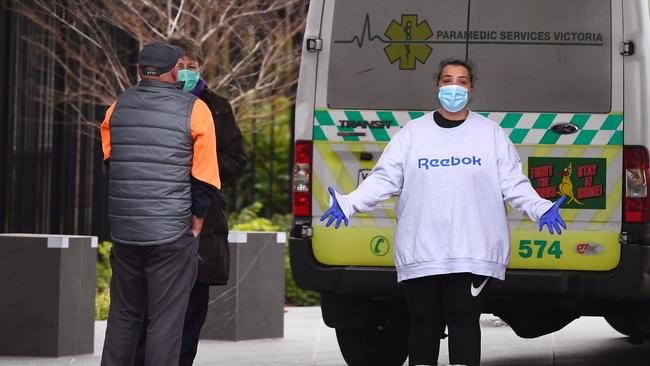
{"points": [[453, 98], [189, 78]]}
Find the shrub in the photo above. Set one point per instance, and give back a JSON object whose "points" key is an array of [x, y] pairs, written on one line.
{"points": [[104, 272], [102, 302], [248, 220]]}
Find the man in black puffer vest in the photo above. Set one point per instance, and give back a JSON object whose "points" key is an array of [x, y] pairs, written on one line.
{"points": [[213, 246], [163, 177]]}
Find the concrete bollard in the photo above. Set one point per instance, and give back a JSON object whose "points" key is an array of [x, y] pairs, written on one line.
{"points": [[251, 304], [47, 294]]}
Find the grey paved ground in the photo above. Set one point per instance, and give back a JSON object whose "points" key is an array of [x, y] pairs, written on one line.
{"points": [[307, 341]]}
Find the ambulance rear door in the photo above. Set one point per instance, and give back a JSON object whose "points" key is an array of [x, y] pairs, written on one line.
{"points": [[551, 74]]}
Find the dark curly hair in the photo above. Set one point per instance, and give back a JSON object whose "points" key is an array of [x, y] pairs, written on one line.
{"points": [[469, 65]]}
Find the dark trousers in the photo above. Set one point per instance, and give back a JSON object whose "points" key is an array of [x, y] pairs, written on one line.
{"points": [[157, 278], [436, 300], [197, 310]]}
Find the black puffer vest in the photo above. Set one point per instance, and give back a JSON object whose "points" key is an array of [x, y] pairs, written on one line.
{"points": [[150, 196]]}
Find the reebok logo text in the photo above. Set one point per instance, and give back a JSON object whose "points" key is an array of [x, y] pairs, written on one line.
{"points": [[451, 161]]}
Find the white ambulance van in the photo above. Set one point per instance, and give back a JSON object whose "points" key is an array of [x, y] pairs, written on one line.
{"points": [[569, 82]]}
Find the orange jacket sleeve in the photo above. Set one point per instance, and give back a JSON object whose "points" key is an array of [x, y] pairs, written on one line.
{"points": [[106, 133], [204, 164]]}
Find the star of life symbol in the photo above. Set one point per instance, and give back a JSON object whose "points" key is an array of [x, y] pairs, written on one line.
{"points": [[408, 42]]}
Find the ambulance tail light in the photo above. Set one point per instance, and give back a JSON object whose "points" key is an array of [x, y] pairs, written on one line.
{"points": [[636, 203], [301, 179]]}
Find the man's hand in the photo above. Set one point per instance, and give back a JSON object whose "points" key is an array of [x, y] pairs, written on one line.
{"points": [[197, 224], [334, 212], [552, 218]]}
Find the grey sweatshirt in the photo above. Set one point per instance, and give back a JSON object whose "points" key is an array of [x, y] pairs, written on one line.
{"points": [[451, 215]]}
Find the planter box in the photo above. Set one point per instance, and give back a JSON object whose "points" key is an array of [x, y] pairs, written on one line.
{"points": [[251, 304], [47, 295]]}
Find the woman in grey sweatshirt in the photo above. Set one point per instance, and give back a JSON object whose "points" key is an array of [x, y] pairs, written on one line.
{"points": [[455, 169]]}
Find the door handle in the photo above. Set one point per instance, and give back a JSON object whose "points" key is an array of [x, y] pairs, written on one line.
{"points": [[564, 128]]}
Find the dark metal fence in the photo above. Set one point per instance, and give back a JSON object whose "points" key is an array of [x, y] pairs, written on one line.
{"points": [[51, 172], [4, 138]]}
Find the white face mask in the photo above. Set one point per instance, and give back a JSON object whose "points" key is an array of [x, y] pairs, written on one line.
{"points": [[453, 98]]}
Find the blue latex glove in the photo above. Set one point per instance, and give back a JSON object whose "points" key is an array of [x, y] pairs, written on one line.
{"points": [[552, 219], [334, 212]]}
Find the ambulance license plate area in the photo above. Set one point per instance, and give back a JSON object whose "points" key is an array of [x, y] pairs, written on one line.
{"points": [[363, 174]]}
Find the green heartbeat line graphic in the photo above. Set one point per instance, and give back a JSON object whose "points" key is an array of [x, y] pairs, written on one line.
{"points": [[407, 40], [366, 33]]}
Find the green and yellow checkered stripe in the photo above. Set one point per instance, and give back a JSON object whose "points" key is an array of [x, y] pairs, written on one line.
{"points": [[523, 128]]}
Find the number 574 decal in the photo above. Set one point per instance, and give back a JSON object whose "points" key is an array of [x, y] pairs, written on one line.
{"points": [[539, 248]]}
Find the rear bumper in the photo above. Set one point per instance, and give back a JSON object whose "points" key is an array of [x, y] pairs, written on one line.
{"points": [[310, 274], [630, 281]]}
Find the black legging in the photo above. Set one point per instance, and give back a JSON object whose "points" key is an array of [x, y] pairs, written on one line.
{"points": [[445, 299]]}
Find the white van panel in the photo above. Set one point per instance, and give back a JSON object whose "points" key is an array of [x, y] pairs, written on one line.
{"points": [[636, 28], [323, 69], [307, 79]]}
